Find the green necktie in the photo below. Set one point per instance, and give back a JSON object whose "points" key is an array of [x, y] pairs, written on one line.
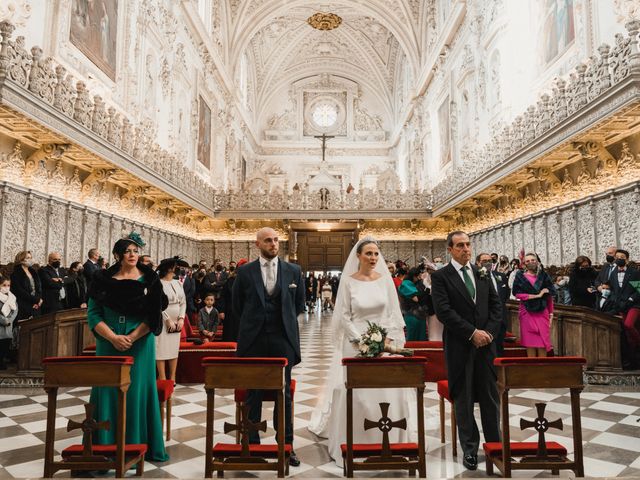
{"points": [[468, 283]]}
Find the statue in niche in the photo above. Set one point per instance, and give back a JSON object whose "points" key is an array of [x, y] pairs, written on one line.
{"points": [[350, 188], [324, 198]]}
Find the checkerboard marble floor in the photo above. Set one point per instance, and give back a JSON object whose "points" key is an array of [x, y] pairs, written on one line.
{"points": [[609, 419]]}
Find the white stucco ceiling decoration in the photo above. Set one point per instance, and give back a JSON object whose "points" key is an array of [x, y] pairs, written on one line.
{"points": [[282, 47]]}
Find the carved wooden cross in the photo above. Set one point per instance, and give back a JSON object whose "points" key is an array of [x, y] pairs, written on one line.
{"points": [[88, 426], [245, 427], [385, 425], [324, 137], [541, 425]]}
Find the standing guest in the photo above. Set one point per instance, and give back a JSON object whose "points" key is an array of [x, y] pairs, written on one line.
{"points": [[535, 291], [503, 265], [91, 266], [203, 286], [76, 287], [146, 260], [494, 261], [53, 292], [189, 286], [469, 308], [268, 295], [125, 308], [208, 318], [229, 321], [582, 283], [561, 284], [434, 326], [515, 268], [8, 314], [438, 262], [25, 285], [168, 342], [603, 279], [410, 296], [499, 282], [219, 275], [311, 283], [326, 295]]}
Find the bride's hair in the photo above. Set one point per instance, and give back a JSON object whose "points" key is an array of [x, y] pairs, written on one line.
{"points": [[365, 242]]}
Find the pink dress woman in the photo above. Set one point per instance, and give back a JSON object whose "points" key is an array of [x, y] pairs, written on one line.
{"points": [[535, 327]]}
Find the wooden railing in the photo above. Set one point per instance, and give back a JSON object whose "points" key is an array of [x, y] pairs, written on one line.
{"points": [[580, 331], [60, 334]]}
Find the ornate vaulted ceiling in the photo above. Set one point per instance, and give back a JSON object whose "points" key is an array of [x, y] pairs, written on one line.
{"points": [[373, 42]]}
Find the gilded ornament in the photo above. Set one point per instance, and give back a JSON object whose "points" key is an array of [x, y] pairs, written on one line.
{"points": [[324, 21]]}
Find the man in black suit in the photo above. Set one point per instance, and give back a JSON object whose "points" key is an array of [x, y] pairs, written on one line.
{"points": [[267, 297], [602, 280], [91, 266], [501, 285], [468, 306], [53, 292]]}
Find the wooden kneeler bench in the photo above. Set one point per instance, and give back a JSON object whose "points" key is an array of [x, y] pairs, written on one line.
{"points": [[532, 373], [385, 372], [245, 373], [86, 371]]}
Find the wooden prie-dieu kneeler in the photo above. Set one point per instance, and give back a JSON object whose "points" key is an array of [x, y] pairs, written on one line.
{"points": [[72, 372], [537, 373], [245, 373], [376, 373]]}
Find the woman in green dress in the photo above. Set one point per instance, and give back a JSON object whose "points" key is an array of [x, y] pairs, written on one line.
{"points": [[410, 304], [124, 309]]}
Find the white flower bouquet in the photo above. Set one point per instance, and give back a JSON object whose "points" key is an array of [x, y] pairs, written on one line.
{"points": [[372, 343]]}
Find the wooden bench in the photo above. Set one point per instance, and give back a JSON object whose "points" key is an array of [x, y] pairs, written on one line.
{"points": [[537, 373], [245, 373], [385, 372], [72, 372]]}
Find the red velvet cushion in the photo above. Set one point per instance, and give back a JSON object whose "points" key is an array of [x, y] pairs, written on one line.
{"points": [[234, 450], [443, 389], [379, 360], [240, 395], [423, 345], [494, 449], [369, 449], [165, 389], [133, 449], [244, 361], [84, 359], [208, 346], [556, 361]]}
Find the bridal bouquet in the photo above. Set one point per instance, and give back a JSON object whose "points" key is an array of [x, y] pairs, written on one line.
{"points": [[372, 345]]}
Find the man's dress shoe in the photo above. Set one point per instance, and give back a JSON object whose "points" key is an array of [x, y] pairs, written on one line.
{"points": [[470, 462], [294, 461]]}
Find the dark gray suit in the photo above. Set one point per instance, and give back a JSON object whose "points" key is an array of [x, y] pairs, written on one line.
{"points": [[470, 370], [268, 326]]}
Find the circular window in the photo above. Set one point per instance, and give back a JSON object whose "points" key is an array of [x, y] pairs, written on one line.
{"points": [[325, 115]]}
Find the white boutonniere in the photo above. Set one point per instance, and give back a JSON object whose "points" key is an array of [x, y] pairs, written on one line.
{"points": [[292, 286], [483, 273]]}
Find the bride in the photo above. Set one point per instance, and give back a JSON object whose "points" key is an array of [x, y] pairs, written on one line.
{"points": [[366, 293]]}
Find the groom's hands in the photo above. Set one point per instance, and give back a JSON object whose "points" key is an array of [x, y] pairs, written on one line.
{"points": [[481, 338]]}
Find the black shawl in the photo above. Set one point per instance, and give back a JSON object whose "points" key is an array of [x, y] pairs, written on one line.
{"points": [[522, 285], [144, 298]]}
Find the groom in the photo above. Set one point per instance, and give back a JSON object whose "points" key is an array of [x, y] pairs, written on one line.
{"points": [[468, 306], [268, 295]]}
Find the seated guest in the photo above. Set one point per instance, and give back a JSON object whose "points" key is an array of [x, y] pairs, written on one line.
{"points": [[53, 293], [25, 285], [8, 314], [581, 283], [124, 313], [208, 317], [76, 287]]}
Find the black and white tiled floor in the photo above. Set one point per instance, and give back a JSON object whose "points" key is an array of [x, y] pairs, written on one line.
{"points": [[609, 418]]}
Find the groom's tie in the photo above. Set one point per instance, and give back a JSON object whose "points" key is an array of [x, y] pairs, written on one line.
{"points": [[468, 282], [271, 277]]}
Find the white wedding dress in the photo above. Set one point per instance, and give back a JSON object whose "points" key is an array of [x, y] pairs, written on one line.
{"points": [[359, 302]]}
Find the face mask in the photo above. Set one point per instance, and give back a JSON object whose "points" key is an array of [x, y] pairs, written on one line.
{"points": [[621, 262], [610, 258], [4, 290], [487, 265], [232, 268], [532, 267], [439, 265], [606, 292], [55, 264], [219, 268], [28, 263]]}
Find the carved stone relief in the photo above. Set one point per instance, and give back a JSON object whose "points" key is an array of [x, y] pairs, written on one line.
{"points": [[57, 227], [38, 218], [585, 232]]}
